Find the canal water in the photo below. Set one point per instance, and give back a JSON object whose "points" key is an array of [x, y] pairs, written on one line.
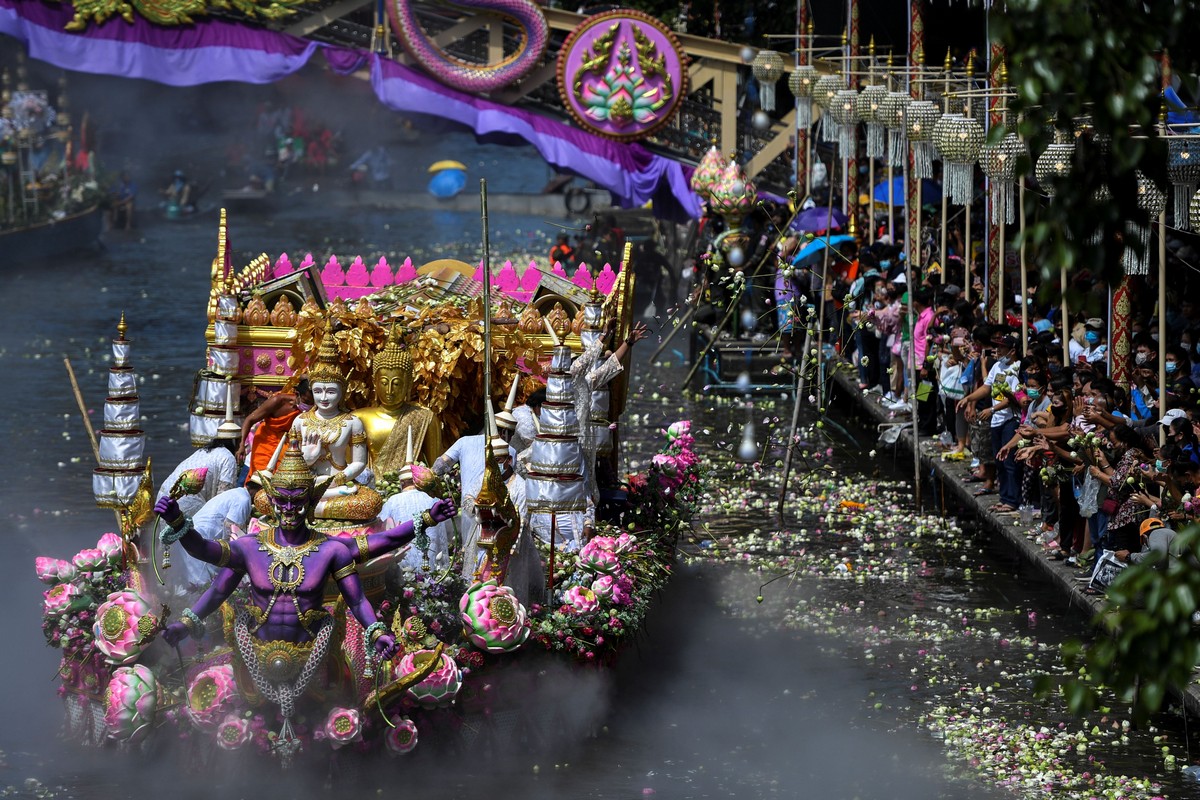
{"points": [[858, 650]]}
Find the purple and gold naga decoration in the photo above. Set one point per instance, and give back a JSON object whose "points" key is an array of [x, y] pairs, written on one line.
{"points": [[464, 75]]}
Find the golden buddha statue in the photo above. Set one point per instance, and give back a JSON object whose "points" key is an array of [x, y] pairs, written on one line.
{"points": [[389, 422], [334, 443]]}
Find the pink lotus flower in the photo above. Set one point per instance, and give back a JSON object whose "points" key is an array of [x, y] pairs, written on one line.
{"points": [[678, 429], [116, 629], [343, 727], [602, 587], [90, 559], [428, 481], [62, 599], [233, 732], [112, 546], [190, 482], [597, 559], [582, 600], [54, 570], [666, 464], [402, 738], [130, 702], [440, 687], [624, 543], [211, 695], [493, 618], [616, 589]]}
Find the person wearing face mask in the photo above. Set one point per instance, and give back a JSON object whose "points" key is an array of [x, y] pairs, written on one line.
{"points": [[1097, 347], [1077, 345]]}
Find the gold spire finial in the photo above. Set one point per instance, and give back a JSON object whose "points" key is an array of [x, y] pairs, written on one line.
{"points": [[971, 64], [328, 368], [122, 327], [871, 47], [845, 36], [949, 62], [920, 56], [810, 27], [1003, 73]]}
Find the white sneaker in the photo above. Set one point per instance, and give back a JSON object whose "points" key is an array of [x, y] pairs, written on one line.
{"points": [[889, 398]]}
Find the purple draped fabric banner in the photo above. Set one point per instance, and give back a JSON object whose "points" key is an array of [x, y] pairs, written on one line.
{"points": [[206, 52], [213, 50]]}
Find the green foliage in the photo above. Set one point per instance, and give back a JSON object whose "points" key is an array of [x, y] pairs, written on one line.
{"points": [[1146, 644], [1099, 60]]}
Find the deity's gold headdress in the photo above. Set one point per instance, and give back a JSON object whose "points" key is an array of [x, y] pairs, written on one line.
{"points": [[292, 472], [394, 354], [328, 368]]}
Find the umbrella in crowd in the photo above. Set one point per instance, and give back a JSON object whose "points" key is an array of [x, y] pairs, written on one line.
{"points": [[816, 220], [816, 248], [930, 192]]}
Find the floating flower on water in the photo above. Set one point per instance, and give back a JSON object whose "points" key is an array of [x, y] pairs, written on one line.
{"points": [[90, 559], [62, 599], [54, 570], [440, 687], [581, 599], [210, 695], [130, 702], [111, 545], [343, 726], [233, 732], [493, 617], [119, 628], [402, 738]]}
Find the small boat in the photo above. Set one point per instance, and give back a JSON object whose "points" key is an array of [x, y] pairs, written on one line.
{"points": [[79, 230]]}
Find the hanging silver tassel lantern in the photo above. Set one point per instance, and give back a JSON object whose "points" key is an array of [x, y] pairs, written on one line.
{"points": [[802, 82], [826, 87], [1183, 170], [844, 111], [870, 100], [1054, 163], [999, 163], [768, 69], [958, 138], [919, 123], [893, 113], [1151, 200], [1101, 196]]}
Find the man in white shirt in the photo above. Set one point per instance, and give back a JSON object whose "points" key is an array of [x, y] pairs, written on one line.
{"points": [[1001, 384], [216, 520], [408, 504], [222, 466]]}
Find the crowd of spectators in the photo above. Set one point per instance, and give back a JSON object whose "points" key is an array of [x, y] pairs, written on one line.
{"points": [[1088, 464]]}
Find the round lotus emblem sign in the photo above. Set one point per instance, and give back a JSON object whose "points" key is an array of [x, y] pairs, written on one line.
{"points": [[621, 74]]}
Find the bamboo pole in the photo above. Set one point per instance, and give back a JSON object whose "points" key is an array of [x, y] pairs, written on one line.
{"points": [[1162, 323], [1024, 274]]}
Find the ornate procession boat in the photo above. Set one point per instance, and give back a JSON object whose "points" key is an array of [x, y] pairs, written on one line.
{"points": [[406, 643], [50, 199]]}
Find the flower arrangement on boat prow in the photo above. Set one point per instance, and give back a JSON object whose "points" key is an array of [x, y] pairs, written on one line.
{"points": [[130, 703], [666, 496], [493, 618]]}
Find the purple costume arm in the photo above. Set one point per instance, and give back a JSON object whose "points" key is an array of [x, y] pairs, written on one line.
{"points": [[358, 604], [217, 593], [196, 546], [402, 534]]}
